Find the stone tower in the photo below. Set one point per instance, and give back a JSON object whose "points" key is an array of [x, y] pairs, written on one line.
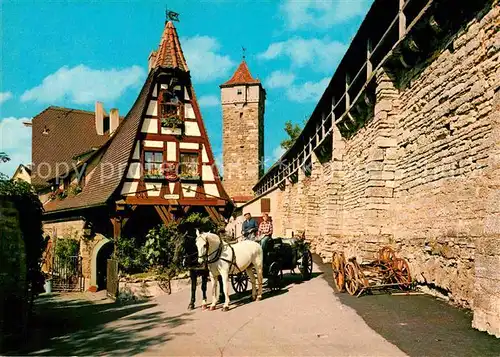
{"points": [[243, 103]]}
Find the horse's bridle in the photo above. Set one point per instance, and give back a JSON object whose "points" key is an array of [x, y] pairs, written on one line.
{"points": [[218, 254]]}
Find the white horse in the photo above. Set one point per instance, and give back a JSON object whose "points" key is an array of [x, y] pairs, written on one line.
{"points": [[225, 259]]}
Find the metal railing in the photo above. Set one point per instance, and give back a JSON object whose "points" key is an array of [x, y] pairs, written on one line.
{"points": [[299, 155]]}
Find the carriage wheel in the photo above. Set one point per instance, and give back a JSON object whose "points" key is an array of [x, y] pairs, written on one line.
{"points": [[239, 282], [306, 265], [275, 276], [386, 254], [402, 273], [338, 265], [351, 278]]}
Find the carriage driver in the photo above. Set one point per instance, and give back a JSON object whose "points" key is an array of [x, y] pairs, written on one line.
{"points": [[249, 228]]}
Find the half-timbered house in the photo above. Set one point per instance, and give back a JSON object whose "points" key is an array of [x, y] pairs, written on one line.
{"points": [[126, 175]]}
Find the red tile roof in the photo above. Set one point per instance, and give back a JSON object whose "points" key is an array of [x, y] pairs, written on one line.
{"points": [[241, 76], [57, 138], [169, 54], [109, 172]]}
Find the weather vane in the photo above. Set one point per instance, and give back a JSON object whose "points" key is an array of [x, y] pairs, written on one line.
{"points": [[171, 15], [244, 50]]}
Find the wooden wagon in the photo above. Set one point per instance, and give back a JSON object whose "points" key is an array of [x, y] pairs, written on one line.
{"points": [[385, 271]]}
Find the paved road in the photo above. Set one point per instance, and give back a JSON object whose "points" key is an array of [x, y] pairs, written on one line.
{"points": [[304, 319]]}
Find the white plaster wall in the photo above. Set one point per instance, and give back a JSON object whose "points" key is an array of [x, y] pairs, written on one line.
{"points": [[151, 186], [134, 170], [188, 111], [207, 173], [171, 151], [211, 189], [193, 187], [204, 155], [137, 151], [150, 126], [192, 128], [152, 108], [189, 145], [129, 188], [153, 144]]}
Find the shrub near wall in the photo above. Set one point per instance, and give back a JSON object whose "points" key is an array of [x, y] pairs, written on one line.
{"points": [[21, 248]]}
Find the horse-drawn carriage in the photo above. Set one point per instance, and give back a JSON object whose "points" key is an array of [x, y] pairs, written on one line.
{"points": [[280, 254]]}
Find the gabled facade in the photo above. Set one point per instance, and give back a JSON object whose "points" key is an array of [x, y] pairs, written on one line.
{"points": [[155, 165]]}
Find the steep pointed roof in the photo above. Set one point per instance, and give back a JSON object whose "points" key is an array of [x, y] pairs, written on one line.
{"points": [[169, 53], [241, 76]]}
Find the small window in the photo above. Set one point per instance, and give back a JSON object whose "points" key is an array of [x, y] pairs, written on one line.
{"points": [[240, 92], [152, 163], [189, 165]]}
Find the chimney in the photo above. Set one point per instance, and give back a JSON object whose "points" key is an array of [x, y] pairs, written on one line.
{"points": [[152, 60], [114, 120], [99, 118]]}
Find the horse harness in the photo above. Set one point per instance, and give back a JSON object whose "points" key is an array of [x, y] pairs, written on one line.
{"points": [[218, 254]]}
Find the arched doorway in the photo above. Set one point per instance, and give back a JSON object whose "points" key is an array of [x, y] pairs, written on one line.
{"points": [[101, 264]]}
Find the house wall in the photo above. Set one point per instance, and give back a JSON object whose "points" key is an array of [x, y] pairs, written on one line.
{"points": [[421, 176]]}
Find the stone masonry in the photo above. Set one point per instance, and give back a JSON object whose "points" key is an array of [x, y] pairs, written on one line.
{"points": [[421, 176]]}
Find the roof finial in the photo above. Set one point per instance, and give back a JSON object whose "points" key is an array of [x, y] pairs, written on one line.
{"points": [[171, 15], [243, 50]]}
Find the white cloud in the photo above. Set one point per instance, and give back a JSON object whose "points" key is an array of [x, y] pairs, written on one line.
{"points": [[82, 85], [321, 13], [208, 101], [204, 60], [280, 79], [308, 91], [15, 140], [320, 55], [5, 96]]}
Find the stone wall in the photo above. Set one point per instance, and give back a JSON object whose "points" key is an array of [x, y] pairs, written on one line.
{"points": [[74, 229], [243, 141], [421, 176]]}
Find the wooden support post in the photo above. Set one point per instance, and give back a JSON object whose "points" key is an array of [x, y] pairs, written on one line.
{"points": [[402, 19], [347, 98], [369, 65]]}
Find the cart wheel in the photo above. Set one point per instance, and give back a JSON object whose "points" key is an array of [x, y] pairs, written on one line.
{"points": [[386, 254], [306, 265], [239, 282], [338, 267], [275, 276], [402, 273], [351, 278]]}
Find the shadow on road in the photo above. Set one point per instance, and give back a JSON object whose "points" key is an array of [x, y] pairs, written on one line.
{"points": [[78, 328], [419, 325]]}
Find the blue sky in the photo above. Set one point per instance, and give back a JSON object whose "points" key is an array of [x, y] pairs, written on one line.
{"points": [[72, 53]]}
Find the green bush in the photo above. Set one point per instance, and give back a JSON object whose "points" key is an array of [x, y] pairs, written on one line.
{"points": [[67, 247], [131, 256], [160, 247]]}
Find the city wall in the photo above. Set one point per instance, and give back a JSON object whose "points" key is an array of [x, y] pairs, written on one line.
{"points": [[422, 176]]}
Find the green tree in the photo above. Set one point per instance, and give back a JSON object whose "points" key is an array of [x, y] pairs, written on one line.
{"points": [[293, 131], [4, 157]]}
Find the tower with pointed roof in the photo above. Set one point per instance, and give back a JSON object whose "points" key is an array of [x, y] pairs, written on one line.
{"points": [[243, 105]]}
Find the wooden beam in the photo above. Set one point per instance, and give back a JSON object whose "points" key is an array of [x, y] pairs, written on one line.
{"points": [[213, 215], [369, 65], [162, 215], [182, 202], [402, 19]]}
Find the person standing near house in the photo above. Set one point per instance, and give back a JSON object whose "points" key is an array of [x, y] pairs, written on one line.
{"points": [[249, 228], [265, 231]]}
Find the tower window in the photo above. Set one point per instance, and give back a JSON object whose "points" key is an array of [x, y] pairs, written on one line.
{"points": [[240, 92]]}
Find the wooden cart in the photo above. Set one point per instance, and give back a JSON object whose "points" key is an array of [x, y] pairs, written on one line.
{"points": [[384, 272]]}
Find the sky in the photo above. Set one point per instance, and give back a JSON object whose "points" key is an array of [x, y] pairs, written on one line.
{"points": [[73, 53]]}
